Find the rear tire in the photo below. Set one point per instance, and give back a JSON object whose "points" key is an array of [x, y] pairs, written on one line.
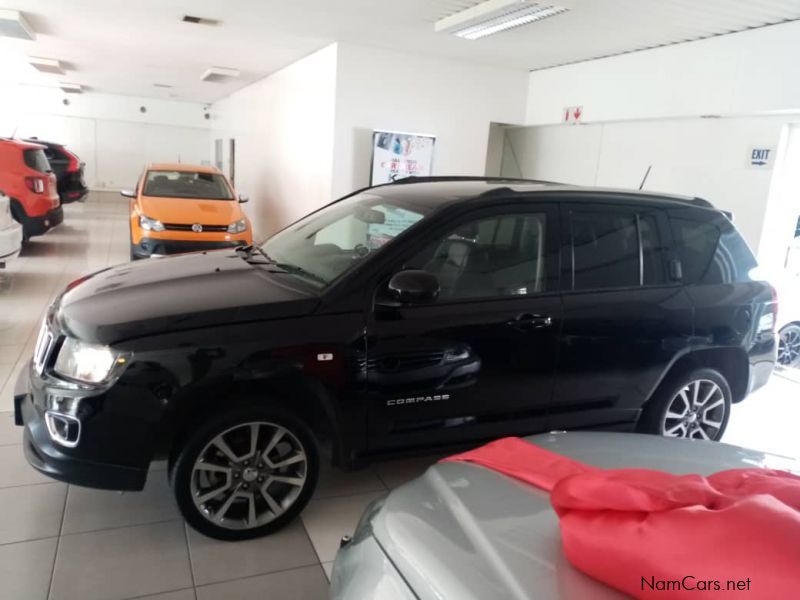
{"points": [[691, 405], [789, 346], [245, 473]]}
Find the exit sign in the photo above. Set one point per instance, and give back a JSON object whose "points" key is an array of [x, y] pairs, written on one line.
{"points": [[760, 157]]}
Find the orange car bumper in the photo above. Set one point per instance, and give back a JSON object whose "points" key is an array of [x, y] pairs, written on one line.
{"points": [[162, 243]]}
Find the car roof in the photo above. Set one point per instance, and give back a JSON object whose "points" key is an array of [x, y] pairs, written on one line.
{"points": [[23, 144], [35, 140], [182, 167], [438, 192]]}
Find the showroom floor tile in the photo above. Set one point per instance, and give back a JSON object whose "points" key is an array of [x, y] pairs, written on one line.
{"points": [[66, 542]]}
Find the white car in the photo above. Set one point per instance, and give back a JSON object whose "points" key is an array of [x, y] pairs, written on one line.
{"points": [[10, 232]]}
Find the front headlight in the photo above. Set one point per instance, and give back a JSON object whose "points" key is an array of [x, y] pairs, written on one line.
{"points": [[89, 363], [239, 227], [149, 224]]}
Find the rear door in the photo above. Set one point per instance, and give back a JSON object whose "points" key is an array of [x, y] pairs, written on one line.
{"points": [[625, 319], [480, 362]]}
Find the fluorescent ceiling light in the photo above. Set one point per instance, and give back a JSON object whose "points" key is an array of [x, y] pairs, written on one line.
{"points": [[494, 16], [46, 65], [71, 88], [217, 74], [13, 24]]}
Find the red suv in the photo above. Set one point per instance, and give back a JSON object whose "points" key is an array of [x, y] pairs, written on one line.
{"points": [[26, 177]]}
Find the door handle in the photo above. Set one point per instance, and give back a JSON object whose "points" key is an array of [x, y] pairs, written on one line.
{"points": [[530, 321]]}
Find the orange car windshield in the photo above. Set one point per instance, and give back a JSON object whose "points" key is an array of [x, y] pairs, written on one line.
{"points": [[187, 184]]}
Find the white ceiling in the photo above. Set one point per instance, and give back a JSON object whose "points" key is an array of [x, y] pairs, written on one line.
{"points": [[126, 46]]}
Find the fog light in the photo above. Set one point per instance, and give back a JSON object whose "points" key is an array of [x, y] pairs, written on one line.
{"points": [[63, 429]]}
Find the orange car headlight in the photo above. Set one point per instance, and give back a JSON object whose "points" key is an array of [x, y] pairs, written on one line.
{"points": [[149, 224], [239, 227]]}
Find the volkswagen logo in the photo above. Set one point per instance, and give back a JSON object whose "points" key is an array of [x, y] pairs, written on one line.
{"points": [[197, 228]]}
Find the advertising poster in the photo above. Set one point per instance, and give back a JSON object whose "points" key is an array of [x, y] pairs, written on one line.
{"points": [[399, 155]]}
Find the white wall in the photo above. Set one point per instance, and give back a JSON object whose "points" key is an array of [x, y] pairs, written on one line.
{"points": [[747, 73], [708, 158], [303, 134], [644, 108], [456, 101], [283, 126], [109, 133]]}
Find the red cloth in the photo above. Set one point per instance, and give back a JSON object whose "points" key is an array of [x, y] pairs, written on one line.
{"points": [[622, 525]]}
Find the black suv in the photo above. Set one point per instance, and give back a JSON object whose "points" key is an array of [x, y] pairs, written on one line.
{"points": [[414, 315], [68, 170]]}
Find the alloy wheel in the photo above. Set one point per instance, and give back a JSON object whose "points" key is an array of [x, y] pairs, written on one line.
{"points": [[249, 475], [789, 346], [696, 411]]}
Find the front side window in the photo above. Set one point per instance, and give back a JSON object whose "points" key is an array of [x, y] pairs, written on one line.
{"points": [[615, 250], [330, 242], [187, 184], [499, 256]]}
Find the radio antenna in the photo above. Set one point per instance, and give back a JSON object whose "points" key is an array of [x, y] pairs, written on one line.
{"points": [[645, 176]]}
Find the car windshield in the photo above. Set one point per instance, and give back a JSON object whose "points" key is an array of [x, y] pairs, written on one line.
{"points": [[187, 184], [330, 242]]}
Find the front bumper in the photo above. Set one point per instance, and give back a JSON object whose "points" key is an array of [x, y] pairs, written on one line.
{"points": [[32, 226], [148, 247], [55, 460]]}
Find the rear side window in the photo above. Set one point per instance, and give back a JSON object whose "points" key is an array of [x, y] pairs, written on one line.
{"points": [[712, 252], [36, 160], [615, 250]]}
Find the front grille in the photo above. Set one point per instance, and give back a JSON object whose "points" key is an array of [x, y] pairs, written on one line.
{"points": [[184, 227], [44, 344]]}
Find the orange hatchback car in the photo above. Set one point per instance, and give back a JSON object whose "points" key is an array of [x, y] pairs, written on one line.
{"points": [[185, 208]]}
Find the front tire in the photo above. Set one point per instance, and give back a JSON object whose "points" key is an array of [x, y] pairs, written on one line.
{"points": [[245, 473], [694, 405]]}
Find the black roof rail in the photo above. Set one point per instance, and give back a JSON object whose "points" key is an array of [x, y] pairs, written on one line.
{"points": [[438, 178]]}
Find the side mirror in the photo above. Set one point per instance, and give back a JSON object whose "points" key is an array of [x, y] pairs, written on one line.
{"points": [[414, 286], [243, 198], [127, 193]]}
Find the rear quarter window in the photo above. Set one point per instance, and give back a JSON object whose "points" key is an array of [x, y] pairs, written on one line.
{"points": [[711, 250], [35, 159]]}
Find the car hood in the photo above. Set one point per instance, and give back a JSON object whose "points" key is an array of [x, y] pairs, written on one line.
{"points": [[178, 293], [190, 210], [464, 531]]}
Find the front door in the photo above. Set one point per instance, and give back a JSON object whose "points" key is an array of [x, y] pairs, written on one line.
{"points": [[480, 361]]}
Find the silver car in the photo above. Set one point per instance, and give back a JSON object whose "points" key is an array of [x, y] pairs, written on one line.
{"points": [[464, 532]]}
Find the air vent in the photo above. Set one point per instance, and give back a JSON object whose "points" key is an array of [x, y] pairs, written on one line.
{"points": [[13, 24], [199, 20], [163, 85], [219, 74], [495, 16], [71, 88], [46, 65]]}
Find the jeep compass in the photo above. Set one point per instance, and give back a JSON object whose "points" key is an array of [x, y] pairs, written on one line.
{"points": [[425, 313]]}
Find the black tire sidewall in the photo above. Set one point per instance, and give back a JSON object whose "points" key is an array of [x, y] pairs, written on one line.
{"points": [[653, 413], [192, 445]]}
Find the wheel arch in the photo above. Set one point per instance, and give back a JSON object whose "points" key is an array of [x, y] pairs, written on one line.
{"points": [[732, 364], [300, 395]]}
